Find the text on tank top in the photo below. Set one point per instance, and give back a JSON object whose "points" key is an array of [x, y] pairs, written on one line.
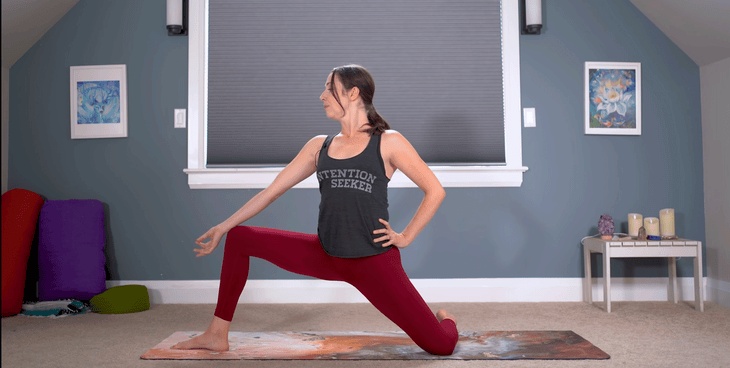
{"points": [[354, 195]]}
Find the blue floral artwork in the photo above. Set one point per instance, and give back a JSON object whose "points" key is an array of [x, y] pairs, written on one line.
{"points": [[98, 102], [612, 98]]}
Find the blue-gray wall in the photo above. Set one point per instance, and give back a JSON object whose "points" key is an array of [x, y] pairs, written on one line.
{"points": [[531, 231]]}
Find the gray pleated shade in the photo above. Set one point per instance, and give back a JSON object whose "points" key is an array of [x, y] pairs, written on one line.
{"points": [[437, 66]]}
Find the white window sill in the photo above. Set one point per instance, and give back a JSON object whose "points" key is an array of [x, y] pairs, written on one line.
{"points": [[449, 176]]}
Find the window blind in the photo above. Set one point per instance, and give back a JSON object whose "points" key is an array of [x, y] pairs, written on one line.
{"points": [[437, 66]]}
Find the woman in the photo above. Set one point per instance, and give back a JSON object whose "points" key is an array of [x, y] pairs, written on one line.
{"points": [[354, 241]]}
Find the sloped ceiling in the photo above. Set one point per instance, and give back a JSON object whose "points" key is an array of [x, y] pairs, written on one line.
{"points": [[701, 28], [24, 22]]}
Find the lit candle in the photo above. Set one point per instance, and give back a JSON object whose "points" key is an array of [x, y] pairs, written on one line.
{"points": [[635, 222], [666, 220], [651, 224]]}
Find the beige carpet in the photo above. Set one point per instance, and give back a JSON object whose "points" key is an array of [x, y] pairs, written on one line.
{"points": [[634, 334]]}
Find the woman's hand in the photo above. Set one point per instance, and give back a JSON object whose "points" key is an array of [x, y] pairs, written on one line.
{"points": [[215, 234], [390, 236]]}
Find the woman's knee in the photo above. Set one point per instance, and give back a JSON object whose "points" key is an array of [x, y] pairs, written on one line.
{"points": [[240, 237], [442, 343], [239, 231], [443, 347]]}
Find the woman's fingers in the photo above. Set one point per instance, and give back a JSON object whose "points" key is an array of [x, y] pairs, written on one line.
{"points": [[385, 230], [388, 236], [200, 240], [205, 250], [208, 247]]}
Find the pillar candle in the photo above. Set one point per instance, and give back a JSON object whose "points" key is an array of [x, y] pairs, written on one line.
{"points": [[666, 221], [635, 222], [651, 224]]}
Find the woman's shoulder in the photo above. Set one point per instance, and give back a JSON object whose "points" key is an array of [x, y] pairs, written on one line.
{"points": [[392, 136], [315, 143], [318, 140], [394, 142]]}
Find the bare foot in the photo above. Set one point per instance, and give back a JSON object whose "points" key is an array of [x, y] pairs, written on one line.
{"points": [[204, 341], [442, 314]]}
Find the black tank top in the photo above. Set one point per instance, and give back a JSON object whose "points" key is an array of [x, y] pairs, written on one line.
{"points": [[354, 195]]}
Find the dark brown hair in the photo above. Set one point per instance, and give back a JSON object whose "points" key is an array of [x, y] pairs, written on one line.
{"points": [[356, 76]]}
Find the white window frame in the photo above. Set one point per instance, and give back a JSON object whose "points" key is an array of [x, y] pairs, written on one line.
{"points": [[200, 177]]}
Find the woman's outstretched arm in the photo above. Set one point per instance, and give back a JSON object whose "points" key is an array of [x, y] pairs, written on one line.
{"points": [[402, 155], [300, 168], [297, 170]]}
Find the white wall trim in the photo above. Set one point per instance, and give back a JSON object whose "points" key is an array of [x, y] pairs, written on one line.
{"points": [[200, 177], [718, 291], [506, 290]]}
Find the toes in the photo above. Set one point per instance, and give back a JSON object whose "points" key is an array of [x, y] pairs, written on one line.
{"points": [[443, 314], [180, 346]]}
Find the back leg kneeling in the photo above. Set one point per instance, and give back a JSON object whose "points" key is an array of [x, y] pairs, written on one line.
{"points": [[383, 282]]}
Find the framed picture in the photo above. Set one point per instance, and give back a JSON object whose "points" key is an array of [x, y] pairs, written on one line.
{"points": [[612, 98], [98, 101]]}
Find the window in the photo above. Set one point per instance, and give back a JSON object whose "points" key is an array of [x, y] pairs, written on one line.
{"points": [[201, 175]]}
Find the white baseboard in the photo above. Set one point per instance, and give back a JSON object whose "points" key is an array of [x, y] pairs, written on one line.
{"points": [[508, 290], [718, 292]]}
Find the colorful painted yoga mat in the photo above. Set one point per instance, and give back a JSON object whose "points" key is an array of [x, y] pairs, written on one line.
{"points": [[383, 346]]}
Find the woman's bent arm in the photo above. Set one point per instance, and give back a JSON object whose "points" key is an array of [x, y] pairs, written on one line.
{"points": [[298, 169], [405, 158]]}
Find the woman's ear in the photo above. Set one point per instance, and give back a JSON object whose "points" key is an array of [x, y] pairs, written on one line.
{"points": [[354, 93]]}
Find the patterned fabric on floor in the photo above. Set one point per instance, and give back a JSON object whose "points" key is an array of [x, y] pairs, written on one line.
{"points": [[56, 308], [383, 346]]}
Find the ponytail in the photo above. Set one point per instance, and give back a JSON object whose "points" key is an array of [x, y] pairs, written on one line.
{"points": [[378, 125]]}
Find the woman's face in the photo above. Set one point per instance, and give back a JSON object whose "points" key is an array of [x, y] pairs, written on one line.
{"points": [[331, 107]]}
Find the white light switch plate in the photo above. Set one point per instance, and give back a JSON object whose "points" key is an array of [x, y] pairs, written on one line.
{"points": [[180, 118], [529, 116]]}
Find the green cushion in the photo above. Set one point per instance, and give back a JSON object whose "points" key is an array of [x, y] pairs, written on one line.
{"points": [[121, 299]]}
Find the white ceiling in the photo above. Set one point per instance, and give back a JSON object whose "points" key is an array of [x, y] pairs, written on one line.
{"points": [[25, 21], [701, 28]]}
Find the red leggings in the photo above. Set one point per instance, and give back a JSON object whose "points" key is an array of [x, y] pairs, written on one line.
{"points": [[380, 278]]}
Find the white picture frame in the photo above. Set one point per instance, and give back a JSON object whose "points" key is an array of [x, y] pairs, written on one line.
{"points": [[98, 101], [612, 98]]}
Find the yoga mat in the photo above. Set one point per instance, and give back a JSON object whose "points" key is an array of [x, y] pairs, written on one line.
{"points": [[362, 345]]}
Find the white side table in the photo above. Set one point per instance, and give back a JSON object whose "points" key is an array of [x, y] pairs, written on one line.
{"points": [[647, 248]]}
